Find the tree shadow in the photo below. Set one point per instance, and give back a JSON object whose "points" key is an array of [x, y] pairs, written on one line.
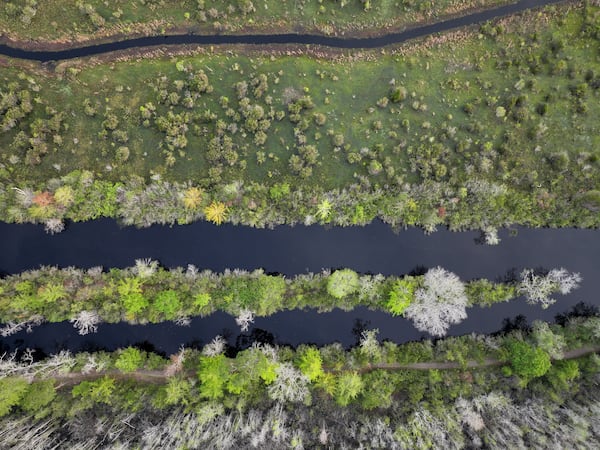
{"points": [[245, 340], [581, 309], [519, 323]]}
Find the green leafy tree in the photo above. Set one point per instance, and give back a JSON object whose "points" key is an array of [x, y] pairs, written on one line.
{"points": [[38, 395], [213, 374], [129, 360], [552, 343], [527, 361], [349, 386], [267, 370], [310, 363], [202, 300], [178, 391], [562, 374], [97, 391], [52, 292], [270, 294], [378, 390], [486, 293], [342, 283], [401, 295], [130, 291], [12, 389], [168, 303], [250, 368], [324, 210], [237, 383]]}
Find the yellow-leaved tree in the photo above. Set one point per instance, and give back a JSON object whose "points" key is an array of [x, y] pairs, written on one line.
{"points": [[216, 212], [192, 198]]}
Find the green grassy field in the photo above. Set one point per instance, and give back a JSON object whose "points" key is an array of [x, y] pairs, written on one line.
{"points": [[72, 21], [511, 108]]}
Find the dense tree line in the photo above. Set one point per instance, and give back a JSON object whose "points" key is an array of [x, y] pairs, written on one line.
{"points": [[147, 292], [211, 395]]}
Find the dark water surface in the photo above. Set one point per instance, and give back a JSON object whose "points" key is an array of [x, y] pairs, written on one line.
{"points": [[372, 42], [293, 250]]}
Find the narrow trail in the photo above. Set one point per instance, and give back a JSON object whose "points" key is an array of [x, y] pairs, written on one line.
{"points": [[16, 50], [160, 377], [571, 354]]}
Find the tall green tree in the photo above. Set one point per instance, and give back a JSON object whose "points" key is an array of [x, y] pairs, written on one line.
{"points": [[168, 303], [38, 395], [12, 389], [130, 360], [97, 391], [349, 386], [342, 283], [213, 374], [526, 360], [310, 362]]}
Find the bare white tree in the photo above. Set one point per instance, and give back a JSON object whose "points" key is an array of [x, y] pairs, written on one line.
{"points": [[191, 272], [54, 226], [244, 319], [34, 321], [95, 271], [177, 361], [439, 303], [268, 350], [92, 365], [490, 236], [552, 343], [423, 428], [593, 325], [11, 328], [25, 196], [10, 365], [60, 363], [183, 321], [215, 347], [290, 385], [145, 268], [23, 433], [369, 285], [369, 344], [469, 415], [567, 281], [538, 288], [323, 435], [86, 322]]}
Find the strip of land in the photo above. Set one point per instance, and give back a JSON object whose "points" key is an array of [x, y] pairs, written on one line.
{"points": [[55, 24], [159, 376]]}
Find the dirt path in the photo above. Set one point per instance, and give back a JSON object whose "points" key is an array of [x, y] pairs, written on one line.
{"points": [[159, 376]]}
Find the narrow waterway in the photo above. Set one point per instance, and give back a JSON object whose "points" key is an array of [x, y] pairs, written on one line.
{"points": [[293, 250], [284, 328], [270, 39]]}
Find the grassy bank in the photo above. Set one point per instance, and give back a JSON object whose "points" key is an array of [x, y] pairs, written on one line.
{"points": [[66, 21], [469, 129]]}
